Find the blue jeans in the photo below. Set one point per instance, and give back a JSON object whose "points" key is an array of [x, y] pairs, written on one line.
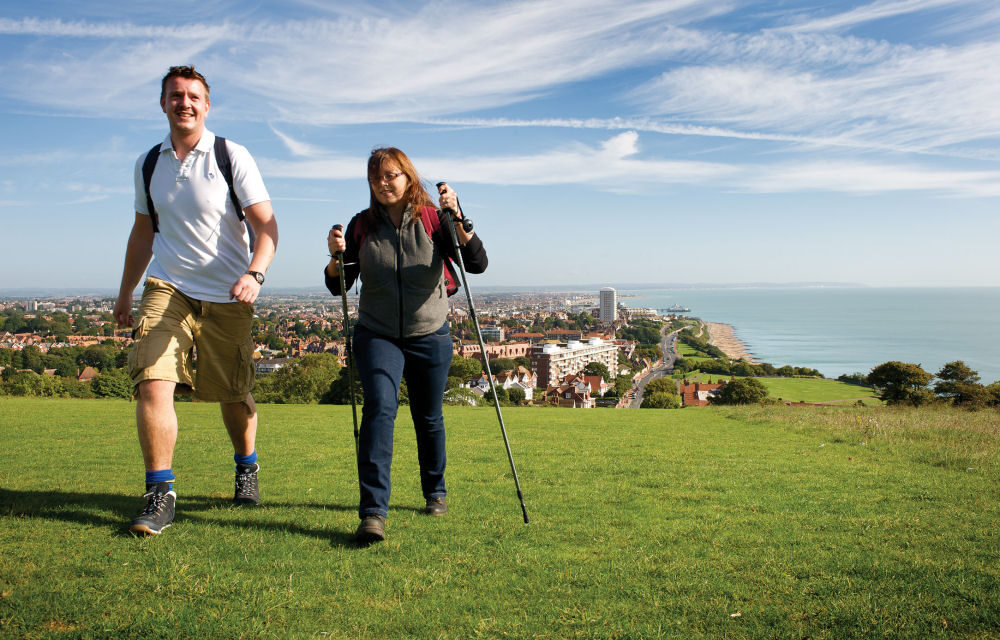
{"points": [[424, 362]]}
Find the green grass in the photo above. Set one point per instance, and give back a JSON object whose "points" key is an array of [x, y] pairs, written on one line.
{"points": [[687, 351], [756, 522], [815, 390], [802, 389]]}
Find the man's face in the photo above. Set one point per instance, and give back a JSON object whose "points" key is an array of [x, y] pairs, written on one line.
{"points": [[186, 104]]}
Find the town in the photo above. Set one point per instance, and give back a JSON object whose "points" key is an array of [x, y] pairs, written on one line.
{"points": [[577, 350]]}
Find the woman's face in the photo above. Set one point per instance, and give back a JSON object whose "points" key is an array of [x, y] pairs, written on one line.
{"points": [[389, 185]]}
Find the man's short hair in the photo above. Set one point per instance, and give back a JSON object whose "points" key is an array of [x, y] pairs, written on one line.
{"points": [[182, 72]]}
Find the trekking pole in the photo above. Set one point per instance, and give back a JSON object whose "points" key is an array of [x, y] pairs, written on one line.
{"points": [[339, 255], [467, 225]]}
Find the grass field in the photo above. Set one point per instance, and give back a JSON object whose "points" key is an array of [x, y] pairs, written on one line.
{"points": [[802, 389], [815, 390], [771, 522]]}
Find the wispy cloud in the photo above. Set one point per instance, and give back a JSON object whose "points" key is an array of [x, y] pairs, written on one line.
{"points": [[365, 68], [653, 125], [867, 13], [114, 30], [298, 148], [934, 99], [806, 84], [617, 164]]}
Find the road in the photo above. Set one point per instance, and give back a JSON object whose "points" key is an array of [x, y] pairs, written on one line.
{"points": [[668, 346]]}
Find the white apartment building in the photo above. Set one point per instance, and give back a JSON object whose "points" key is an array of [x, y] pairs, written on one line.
{"points": [[553, 362], [492, 333], [608, 306]]}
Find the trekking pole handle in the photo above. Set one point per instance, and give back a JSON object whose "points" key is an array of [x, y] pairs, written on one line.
{"points": [[338, 254], [466, 222]]}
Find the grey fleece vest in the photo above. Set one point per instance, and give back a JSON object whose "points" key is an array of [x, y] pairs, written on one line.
{"points": [[402, 281]]}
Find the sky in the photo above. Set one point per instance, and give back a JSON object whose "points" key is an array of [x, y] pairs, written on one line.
{"points": [[592, 142]]}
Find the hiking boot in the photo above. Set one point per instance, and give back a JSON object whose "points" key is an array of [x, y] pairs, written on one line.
{"points": [[371, 529], [247, 491], [436, 506], [159, 511]]}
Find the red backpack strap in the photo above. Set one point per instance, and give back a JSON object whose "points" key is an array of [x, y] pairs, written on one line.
{"points": [[432, 225]]}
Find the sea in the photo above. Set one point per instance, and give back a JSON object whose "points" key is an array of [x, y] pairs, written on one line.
{"points": [[839, 330]]}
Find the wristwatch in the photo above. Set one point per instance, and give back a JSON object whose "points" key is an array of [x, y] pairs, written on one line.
{"points": [[258, 276]]}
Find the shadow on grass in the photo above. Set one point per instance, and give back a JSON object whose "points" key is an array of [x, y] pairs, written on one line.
{"points": [[115, 511]]}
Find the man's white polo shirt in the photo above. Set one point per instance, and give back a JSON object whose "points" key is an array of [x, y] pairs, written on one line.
{"points": [[202, 247]]}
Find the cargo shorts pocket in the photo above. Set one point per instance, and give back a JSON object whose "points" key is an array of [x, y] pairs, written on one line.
{"points": [[138, 358], [243, 372]]}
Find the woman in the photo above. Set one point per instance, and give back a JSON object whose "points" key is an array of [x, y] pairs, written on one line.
{"points": [[402, 330]]}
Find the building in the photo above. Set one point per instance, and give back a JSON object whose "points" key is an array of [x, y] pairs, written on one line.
{"points": [[608, 306], [699, 394], [270, 365], [471, 350], [569, 395], [553, 362], [492, 333]]}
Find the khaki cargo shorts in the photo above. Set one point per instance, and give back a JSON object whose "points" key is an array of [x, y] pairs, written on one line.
{"points": [[171, 325]]}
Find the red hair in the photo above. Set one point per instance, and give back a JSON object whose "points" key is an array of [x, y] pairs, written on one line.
{"points": [[416, 193]]}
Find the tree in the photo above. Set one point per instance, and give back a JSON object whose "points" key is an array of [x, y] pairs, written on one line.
{"points": [[502, 364], [741, 391], [597, 369], [272, 341], [65, 366], [31, 357], [743, 368], [857, 378], [98, 356], [112, 383], [622, 384], [900, 382], [961, 385], [684, 365], [501, 395], [303, 381], [523, 361], [465, 368], [516, 395], [339, 390], [661, 385], [660, 400], [993, 391]]}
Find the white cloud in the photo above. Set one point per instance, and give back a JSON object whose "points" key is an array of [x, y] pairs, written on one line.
{"points": [[616, 164], [865, 178], [297, 147], [365, 68], [891, 97], [113, 30], [875, 11]]}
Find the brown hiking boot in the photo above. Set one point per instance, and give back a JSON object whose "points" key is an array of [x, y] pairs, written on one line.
{"points": [[371, 529], [436, 506]]}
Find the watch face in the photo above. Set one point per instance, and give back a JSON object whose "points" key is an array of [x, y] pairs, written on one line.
{"points": [[258, 276]]}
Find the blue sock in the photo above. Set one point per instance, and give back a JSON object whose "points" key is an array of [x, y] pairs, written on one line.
{"points": [[246, 460], [161, 475]]}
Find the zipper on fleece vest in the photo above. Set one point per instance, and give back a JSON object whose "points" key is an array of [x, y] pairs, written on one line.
{"points": [[399, 271]]}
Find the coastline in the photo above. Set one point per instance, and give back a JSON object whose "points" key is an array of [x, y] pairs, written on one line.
{"points": [[724, 337]]}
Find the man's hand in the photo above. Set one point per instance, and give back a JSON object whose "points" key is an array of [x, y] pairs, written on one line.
{"points": [[245, 290], [123, 310]]}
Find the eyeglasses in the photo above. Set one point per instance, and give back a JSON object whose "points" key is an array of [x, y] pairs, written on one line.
{"points": [[386, 178]]}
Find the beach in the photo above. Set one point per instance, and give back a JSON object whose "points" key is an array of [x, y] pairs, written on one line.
{"points": [[723, 336]]}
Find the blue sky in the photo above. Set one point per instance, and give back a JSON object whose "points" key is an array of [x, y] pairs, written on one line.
{"points": [[681, 141]]}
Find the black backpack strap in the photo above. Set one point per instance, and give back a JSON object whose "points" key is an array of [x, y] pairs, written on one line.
{"points": [[148, 166], [226, 167]]}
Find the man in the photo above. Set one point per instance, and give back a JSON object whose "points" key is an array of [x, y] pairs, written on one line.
{"points": [[198, 293]]}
